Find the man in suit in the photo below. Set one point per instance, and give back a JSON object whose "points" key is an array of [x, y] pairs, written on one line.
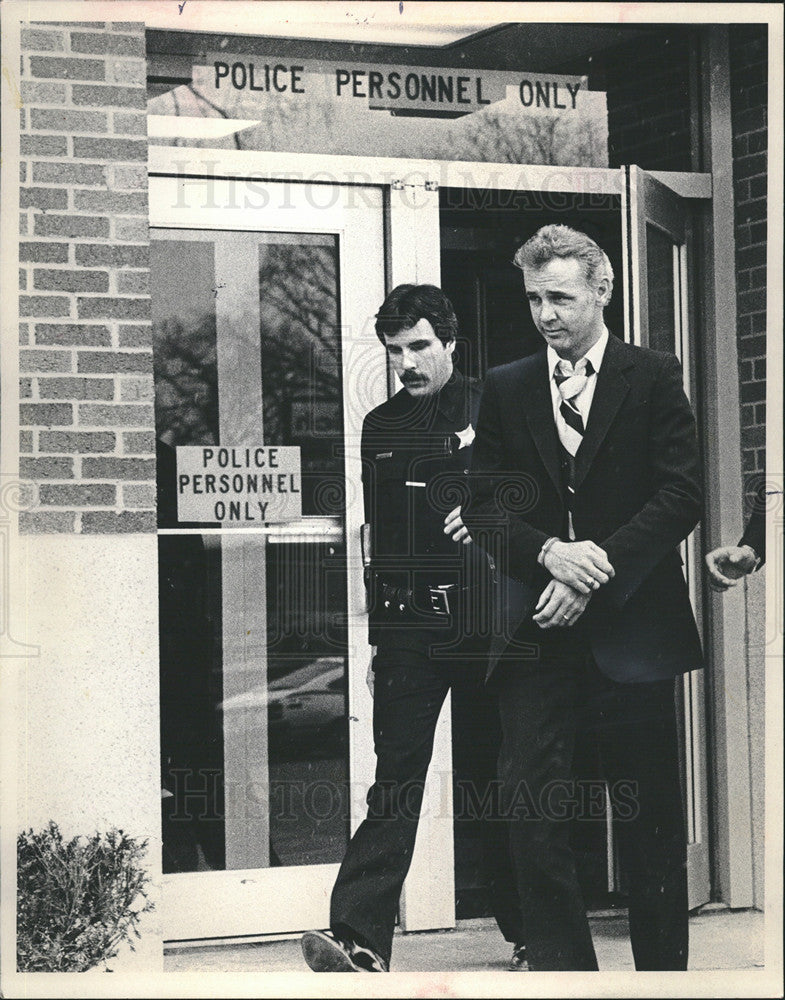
{"points": [[425, 578], [585, 479]]}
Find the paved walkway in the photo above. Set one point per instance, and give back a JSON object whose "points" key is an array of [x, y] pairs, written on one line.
{"points": [[719, 939]]}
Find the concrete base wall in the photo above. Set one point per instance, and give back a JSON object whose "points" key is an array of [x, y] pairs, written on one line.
{"points": [[88, 722]]}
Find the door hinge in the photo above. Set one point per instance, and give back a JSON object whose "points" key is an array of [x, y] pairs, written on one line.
{"points": [[399, 185]]}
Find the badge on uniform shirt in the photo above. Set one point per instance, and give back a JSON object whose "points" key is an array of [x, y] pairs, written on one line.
{"points": [[465, 437]]}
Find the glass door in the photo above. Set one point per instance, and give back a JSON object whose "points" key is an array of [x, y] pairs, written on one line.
{"points": [[263, 301], [660, 308]]}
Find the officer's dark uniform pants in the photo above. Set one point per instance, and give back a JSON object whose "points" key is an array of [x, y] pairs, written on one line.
{"points": [[409, 690]]}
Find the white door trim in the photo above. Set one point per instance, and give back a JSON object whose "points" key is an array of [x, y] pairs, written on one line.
{"points": [[653, 204], [428, 898]]}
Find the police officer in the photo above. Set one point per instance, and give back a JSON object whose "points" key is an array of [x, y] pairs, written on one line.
{"points": [[428, 588]]}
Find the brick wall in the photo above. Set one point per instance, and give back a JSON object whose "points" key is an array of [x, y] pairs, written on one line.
{"points": [[749, 74], [647, 83], [87, 438], [649, 124]]}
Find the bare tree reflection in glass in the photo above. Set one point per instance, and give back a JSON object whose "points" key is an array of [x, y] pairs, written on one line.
{"points": [[186, 381]]}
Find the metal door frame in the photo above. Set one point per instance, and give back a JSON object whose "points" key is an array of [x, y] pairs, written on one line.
{"points": [[649, 202]]}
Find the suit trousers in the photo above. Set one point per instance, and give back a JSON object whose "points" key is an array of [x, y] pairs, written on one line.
{"points": [[543, 705], [409, 689]]}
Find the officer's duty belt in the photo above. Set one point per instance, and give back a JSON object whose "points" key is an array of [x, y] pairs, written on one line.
{"points": [[426, 600]]}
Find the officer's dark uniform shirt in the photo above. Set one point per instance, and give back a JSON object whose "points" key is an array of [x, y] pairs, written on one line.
{"points": [[416, 454]]}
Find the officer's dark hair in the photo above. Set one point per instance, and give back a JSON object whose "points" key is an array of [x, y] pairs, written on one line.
{"points": [[406, 305]]}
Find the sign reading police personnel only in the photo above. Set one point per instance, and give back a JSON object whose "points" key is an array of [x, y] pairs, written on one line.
{"points": [[388, 86], [242, 485]]}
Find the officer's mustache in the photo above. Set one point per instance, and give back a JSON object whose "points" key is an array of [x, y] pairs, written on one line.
{"points": [[413, 379]]}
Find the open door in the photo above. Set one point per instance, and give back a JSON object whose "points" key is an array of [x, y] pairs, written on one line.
{"points": [[263, 339], [660, 314]]}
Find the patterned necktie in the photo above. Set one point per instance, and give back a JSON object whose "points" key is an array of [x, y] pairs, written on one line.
{"points": [[571, 382]]}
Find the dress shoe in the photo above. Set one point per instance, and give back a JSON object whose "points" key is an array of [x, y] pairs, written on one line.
{"points": [[324, 952], [518, 961]]}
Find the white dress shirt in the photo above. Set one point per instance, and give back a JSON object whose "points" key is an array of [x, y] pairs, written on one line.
{"points": [[584, 399]]}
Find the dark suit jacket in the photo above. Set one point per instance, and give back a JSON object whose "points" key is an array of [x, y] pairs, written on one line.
{"points": [[755, 533], [638, 495]]}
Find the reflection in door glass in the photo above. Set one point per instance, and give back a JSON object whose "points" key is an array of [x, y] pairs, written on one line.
{"points": [[253, 646], [307, 702], [301, 360], [192, 745], [184, 341]]}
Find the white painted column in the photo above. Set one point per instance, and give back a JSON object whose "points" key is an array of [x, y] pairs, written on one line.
{"points": [[428, 899], [727, 624], [243, 563]]}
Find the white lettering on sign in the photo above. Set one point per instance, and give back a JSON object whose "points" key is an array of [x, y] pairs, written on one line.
{"points": [[240, 485], [389, 86]]}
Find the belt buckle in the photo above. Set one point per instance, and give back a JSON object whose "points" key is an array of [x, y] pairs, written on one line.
{"points": [[440, 602]]}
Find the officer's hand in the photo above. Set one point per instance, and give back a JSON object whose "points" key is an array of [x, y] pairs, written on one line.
{"points": [[453, 525], [369, 677], [581, 565], [560, 606], [728, 564]]}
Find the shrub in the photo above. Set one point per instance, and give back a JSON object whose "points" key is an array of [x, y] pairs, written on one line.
{"points": [[77, 900]]}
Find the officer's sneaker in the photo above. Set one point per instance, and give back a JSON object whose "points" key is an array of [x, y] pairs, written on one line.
{"points": [[518, 961], [324, 952]]}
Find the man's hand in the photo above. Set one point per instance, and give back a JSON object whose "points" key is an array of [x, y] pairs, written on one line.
{"points": [[453, 525], [560, 606], [726, 565], [581, 565]]}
